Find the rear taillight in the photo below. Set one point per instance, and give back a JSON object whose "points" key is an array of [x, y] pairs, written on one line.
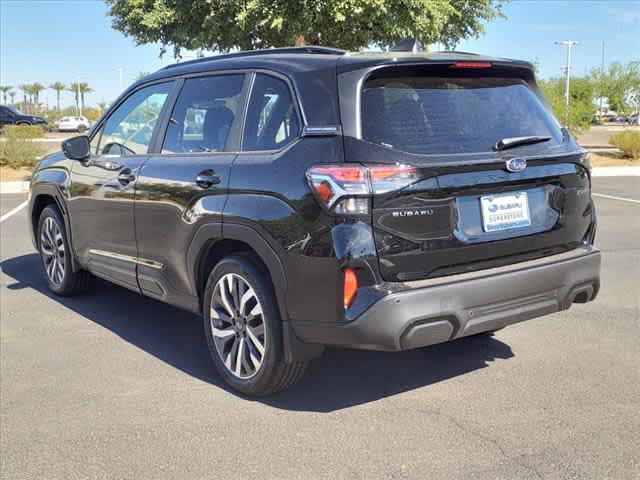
{"points": [[350, 287], [346, 190]]}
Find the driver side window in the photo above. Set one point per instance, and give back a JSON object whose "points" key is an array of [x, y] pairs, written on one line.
{"points": [[129, 129]]}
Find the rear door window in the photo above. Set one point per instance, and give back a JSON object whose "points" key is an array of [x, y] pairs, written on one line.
{"points": [[205, 115], [272, 119], [425, 114]]}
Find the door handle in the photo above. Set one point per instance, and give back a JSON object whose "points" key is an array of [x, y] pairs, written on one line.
{"points": [[207, 178], [126, 177]]}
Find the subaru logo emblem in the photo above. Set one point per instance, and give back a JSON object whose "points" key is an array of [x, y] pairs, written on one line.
{"points": [[516, 164]]}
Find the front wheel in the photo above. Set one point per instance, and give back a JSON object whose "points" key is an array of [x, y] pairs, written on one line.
{"points": [[55, 255], [244, 329]]}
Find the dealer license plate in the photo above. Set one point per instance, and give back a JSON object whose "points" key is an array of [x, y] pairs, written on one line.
{"points": [[505, 211]]}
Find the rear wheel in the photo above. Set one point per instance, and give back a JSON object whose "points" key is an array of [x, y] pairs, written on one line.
{"points": [[244, 329], [81, 128], [55, 255]]}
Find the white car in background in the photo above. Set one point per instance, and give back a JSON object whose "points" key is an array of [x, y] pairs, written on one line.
{"points": [[73, 124]]}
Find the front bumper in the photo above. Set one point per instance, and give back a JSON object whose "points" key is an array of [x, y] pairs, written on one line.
{"points": [[433, 311]]}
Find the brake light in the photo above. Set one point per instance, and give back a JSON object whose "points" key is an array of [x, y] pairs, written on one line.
{"points": [[471, 65], [350, 287], [346, 190]]}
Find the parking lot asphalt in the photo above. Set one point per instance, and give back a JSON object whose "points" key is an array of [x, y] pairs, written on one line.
{"points": [[112, 385]]}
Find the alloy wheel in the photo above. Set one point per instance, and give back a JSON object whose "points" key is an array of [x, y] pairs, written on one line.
{"points": [[53, 250], [237, 326]]}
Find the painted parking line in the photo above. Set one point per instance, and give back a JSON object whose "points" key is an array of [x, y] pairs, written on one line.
{"points": [[11, 213], [611, 197]]}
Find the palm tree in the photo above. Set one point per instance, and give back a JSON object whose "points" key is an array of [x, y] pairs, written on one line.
{"points": [[4, 89], [58, 87], [26, 92], [36, 88], [75, 89], [12, 95], [84, 89]]}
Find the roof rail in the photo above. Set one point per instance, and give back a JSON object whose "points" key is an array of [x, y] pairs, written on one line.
{"points": [[312, 49]]}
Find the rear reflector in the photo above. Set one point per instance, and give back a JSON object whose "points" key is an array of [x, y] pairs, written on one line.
{"points": [[350, 287], [471, 65]]}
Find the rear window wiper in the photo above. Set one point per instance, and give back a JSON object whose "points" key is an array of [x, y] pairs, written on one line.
{"points": [[511, 142]]}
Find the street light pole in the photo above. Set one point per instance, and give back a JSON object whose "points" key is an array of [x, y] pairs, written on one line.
{"points": [[569, 44]]}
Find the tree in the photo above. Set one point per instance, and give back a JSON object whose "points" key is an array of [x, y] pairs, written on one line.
{"points": [[84, 89], [12, 95], [59, 88], [141, 75], [225, 25], [4, 89], [581, 106], [26, 94], [36, 89], [618, 85], [75, 89]]}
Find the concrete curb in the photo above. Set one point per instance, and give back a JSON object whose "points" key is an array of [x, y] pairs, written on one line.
{"points": [[14, 187]]}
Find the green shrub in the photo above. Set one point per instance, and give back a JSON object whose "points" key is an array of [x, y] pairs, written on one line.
{"points": [[628, 141], [16, 148]]}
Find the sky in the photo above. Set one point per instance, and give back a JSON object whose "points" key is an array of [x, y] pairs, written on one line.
{"points": [[64, 40]]}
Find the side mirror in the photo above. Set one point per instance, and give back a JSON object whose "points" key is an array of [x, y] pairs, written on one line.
{"points": [[77, 148]]}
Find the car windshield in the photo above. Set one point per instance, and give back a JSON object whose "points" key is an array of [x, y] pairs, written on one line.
{"points": [[449, 114]]}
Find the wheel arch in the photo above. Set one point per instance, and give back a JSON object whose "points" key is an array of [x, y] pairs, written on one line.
{"points": [[47, 188], [210, 244], [213, 242]]}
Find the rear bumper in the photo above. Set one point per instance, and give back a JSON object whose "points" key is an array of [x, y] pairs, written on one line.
{"points": [[421, 313]]}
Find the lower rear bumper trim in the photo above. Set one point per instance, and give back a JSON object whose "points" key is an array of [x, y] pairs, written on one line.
{"points": [[416, 317]]}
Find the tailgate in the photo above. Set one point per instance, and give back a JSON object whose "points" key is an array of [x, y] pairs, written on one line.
{"points": [[459, 130]]}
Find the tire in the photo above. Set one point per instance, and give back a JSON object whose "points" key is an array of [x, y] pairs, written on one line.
{"points": [[55, 256], [81, 128], [23, 123], [253, 334]]}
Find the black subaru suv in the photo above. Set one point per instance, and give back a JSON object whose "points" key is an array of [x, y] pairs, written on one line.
{"points": [[304, 197]]}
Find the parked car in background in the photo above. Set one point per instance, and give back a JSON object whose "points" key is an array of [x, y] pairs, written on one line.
{"points": [[73, 124], [11, 116], [303, 197]]}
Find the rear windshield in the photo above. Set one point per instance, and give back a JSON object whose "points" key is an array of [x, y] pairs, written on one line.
{"points": [[448, 114]]}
